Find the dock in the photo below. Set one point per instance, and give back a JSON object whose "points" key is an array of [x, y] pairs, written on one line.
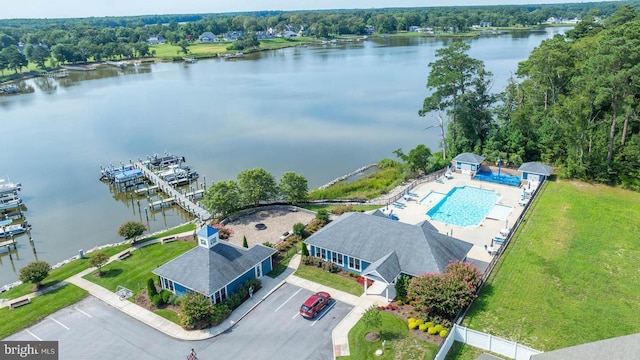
{"points": [[181, 200]]}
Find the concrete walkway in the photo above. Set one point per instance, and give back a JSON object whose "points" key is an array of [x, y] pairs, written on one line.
{"points": [[339, 335]]}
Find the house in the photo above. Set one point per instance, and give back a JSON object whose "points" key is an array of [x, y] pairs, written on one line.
{"points": [[382, 249], [535, 171], [214, 268], [619, 348], [467, 162], [232, 35], [414, 28], [208, 37], [369, 29], [156, 40]]}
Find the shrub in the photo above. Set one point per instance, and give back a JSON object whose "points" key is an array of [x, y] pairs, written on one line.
{"points": [[360, 281], [165, 295], [151, 289], [399, 302], [156, 300], [224, 232], [312, 261], [35, 272], [413, 325], [339, 210], [420, 321], [322, 215], [220, 313], [431, 330], [174, 300], [330, 267], [423, 327], [430, 324], [439, 328], [304, 249], [196, 311], [443, 333], [352, 274], [268, 244], [299, 229]]}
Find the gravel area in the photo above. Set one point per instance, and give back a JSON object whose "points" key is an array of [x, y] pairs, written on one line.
{"points": [[277, 221]]}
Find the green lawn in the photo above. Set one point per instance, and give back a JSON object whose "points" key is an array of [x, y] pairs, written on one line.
{"points": [[134, 271], [282, 265], [460, 351], [169, 315], [40, 307], [335, 281], [61, 273], [570, 276], [173, 231], [399, 343]]}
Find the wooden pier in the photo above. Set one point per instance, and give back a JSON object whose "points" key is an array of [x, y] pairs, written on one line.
{"points": [[180, 199]]}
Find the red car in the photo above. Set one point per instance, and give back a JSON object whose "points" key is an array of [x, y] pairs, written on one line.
{"points": [[314, 304]]}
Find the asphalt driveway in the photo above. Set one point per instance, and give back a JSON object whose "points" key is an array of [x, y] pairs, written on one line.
{"points": [[274, 330]]}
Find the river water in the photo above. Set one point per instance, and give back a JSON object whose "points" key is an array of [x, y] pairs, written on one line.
{"points": [[321, 111]]}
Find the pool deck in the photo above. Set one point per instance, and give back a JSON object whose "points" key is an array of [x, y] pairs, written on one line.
{"points": [[414, 212]]}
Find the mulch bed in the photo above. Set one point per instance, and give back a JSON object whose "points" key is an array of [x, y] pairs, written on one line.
{"points": [[404, 312], [143, 300]]}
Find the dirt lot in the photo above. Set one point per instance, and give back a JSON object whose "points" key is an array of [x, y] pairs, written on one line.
{"points": [[277, 220]]}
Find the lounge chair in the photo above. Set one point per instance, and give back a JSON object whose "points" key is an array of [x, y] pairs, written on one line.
{"points": [[499, 240], [439, 181], [448, 175], [399, 205]]}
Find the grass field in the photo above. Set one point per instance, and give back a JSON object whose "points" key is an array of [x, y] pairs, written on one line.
{"points": [[40, 307], [399, 343], [335, 281], [570, 276], [134, 271], [367, 187]]}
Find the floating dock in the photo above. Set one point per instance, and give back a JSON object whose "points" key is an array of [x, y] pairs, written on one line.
{"points": [[174, 195]]}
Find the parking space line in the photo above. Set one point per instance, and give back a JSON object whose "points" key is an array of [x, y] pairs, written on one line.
{"points": [[294, 316], [84, 312], [32, 334], [326, 310], [59, 323], [286, 301]]}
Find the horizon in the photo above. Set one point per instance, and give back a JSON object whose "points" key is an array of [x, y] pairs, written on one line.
{"points": [[66, 9]]}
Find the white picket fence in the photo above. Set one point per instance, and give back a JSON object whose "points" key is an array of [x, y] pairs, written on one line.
{"points": [[487, 342]]}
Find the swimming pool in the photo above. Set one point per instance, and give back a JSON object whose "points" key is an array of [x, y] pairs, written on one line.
{"points": [[503, 178], [464, 206]]}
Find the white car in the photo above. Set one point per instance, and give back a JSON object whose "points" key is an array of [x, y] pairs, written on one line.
{"points": [[286, 234]]}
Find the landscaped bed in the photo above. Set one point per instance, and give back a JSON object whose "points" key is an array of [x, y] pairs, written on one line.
{"points": [[570, 275]]}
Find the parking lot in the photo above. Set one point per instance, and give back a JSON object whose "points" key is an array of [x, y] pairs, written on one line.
{"points": [[273, 330]]}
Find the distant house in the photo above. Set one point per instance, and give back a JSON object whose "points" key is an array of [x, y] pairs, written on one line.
{"points": [[535, 171], [156, 40], [214, 268], [414, 28], [467, 162], [485, 24], [382, 249], [232, 35], [208, 37], [369, 29]]}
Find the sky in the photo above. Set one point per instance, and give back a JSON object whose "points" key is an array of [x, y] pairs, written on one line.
{"points": [[12, 9]]}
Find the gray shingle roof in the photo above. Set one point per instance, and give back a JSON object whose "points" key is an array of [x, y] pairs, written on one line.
{"points": [[386, 268], [469, 158], [619, 348], [536, 168], [418, 248], [208, 270]]}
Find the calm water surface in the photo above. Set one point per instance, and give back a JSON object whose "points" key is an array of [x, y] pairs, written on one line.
{"points": [[320, 111]]}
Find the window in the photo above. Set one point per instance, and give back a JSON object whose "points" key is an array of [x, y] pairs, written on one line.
{"points": [[220, 295], [323, 254], [340, 260], [334, 257], [317, 253], [354, 263], [203, 241]]}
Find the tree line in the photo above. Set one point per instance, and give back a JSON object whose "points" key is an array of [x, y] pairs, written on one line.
{"points": [[108, 38], [574, 103]]}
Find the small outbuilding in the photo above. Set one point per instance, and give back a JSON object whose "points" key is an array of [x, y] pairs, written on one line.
{"points": [[467, 162], [214, 268], [534, 172]]}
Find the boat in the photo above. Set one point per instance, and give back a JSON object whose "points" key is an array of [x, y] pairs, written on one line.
{"points": [[9, 187], [109, 173], [157, 162], [10, 230], [189, 60], [176, 175], [10, 204], [9, 89]]}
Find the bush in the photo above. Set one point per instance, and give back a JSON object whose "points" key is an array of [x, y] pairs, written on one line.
{"points": [[312, 261], [431, 330], [35, 272], [165, 295], [399, 302], [330, 267], [439, 328], [430, 324], [151, 289], [420, 321], [156, 300], [423, 327], [174, 300], [443, 333], [299, 229], [268, 244], [360, 281], [220, 313], [339, 210], [413, 325]]}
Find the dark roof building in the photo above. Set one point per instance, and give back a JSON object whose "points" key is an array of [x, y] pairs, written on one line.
{"points": [[619, 348], [214, 267], [467, 162], [382, 249], [535, 171]]}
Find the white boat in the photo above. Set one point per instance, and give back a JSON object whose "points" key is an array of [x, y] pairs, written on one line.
{"points": [[189, 60], [6, 231], [10, 204], [9, 187]]}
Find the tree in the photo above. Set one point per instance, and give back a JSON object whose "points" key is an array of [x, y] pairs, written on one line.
{"points": [[15, 59], [256, 185], [402, 284], [299, 230], [304, 249], [99, 259], [37, 54], [131, 230], [222, 198], [451, 75], [35, 272], [294, 187], [245, 244], [371, 318], [322, 215], [184, 47]]}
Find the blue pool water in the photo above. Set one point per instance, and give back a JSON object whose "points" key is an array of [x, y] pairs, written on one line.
{"points": [[504, 179], [464, 206]]}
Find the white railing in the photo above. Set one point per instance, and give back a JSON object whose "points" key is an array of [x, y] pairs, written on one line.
{"points": [[487, 342]]}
